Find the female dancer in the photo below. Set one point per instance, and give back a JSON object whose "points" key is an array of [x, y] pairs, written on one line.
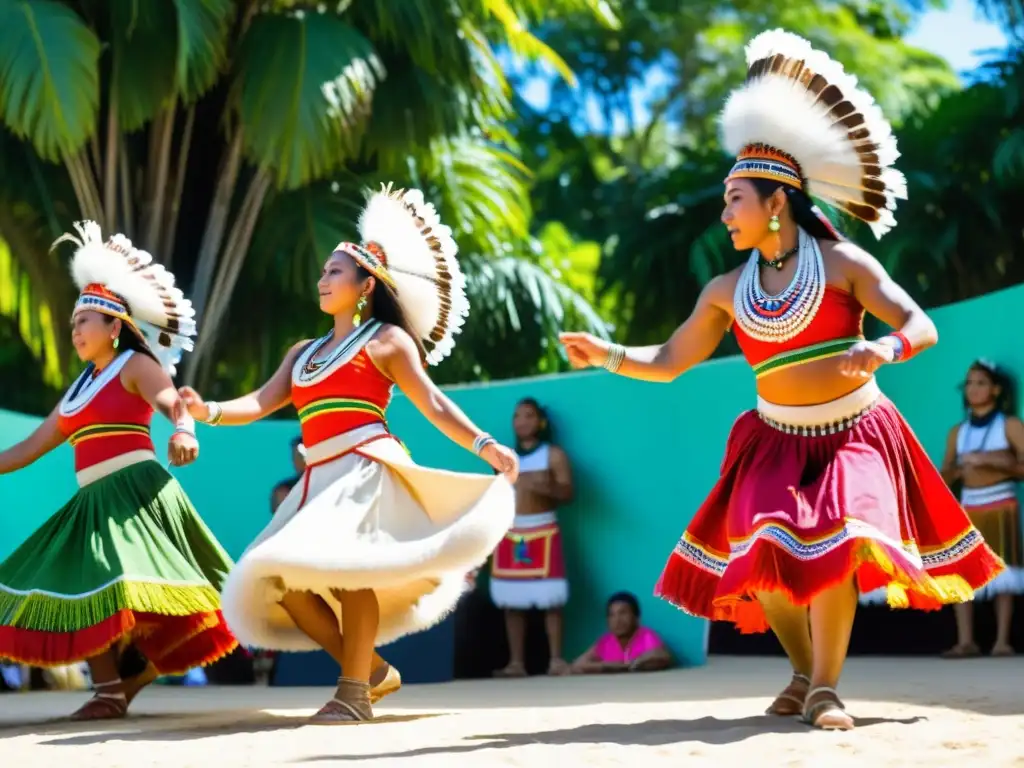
{"points": [[126, 568], [824, 489], [986, 454], [528, 570], [368, 531]]}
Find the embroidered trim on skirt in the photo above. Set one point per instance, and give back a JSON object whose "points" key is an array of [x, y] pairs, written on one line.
{"points": [[127, 558], [798, 513], [365, 516]]}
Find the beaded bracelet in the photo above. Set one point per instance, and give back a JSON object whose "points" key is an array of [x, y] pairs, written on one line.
{"points": [[216, 413], [616, 356], [481, 442]]}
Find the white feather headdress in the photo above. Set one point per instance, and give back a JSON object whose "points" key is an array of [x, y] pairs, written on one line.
{"points": [[802, 119], [119, 280], [406, 245]]}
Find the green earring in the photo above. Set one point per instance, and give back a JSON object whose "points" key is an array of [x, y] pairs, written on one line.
{"points": [[360, 306], [773, 224], [117, 342]]}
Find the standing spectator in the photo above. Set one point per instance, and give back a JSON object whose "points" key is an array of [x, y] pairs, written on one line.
{"points": [[528, 570], [283, 488]]}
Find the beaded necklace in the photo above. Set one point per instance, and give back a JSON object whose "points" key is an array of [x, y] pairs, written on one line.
{"points": [[308, 371], [81, 393], [783, 316]]}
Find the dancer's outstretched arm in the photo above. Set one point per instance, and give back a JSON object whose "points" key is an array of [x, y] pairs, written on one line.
{"points": [[143, 376], [272, 396], [395, 353], [44, 439], [691, 344]]}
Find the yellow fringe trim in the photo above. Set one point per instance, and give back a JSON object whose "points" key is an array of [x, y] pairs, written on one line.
{"points": [[950, 588], [53, 613]]}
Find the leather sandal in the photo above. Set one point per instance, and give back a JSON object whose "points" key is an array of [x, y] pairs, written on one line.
{"points": [[790, 703], [108, 703], [823, 709], [391, 682], [351, 704]]}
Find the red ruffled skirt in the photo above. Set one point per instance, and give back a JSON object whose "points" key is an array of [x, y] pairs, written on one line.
{"points": [[798, 514]]}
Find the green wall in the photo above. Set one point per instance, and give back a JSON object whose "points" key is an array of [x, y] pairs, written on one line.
{"points": [[644, 456]]}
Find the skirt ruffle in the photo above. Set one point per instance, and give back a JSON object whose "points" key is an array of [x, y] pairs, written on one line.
{"points": [[127, 559], [799, 514], [368, 519]]}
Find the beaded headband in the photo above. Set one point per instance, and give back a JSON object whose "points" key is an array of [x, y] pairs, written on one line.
{"points": [[370, 256], [96, 298], [759, 161]]}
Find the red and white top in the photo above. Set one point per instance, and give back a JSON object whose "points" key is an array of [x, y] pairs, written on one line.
{"points": [[101, 419], [341, 392]]}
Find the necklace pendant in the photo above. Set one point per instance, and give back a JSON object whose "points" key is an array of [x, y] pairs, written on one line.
{"points": [[777, 264]]}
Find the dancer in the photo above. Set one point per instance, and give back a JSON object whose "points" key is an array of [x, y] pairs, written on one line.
{"points": [[824, 489], [368, 532], [986, 454], [528, 570], [126, 575]]}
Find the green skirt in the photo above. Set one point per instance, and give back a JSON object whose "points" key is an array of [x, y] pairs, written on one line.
{"points": [[128, 559]]}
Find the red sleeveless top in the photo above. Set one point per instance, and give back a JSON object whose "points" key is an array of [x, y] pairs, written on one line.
{"points": [[104, 419], [839, 316], [353, 395]]}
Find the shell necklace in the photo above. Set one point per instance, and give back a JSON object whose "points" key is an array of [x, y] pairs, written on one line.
{"points": [[308, 371], [783, 316]]}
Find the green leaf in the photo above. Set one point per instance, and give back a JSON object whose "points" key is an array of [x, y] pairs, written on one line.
{"points": [[49, 78], [304, 87], [145, 58], [203, 27]]}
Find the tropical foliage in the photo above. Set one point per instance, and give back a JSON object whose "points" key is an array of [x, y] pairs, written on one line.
{"points": [[237, 146]]}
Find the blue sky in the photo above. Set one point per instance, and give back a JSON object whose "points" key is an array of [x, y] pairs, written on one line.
{"points": [[958, 34]]}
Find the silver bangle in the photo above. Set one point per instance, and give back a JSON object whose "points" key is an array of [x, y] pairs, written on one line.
{"points": [[216, 413], [616, 356], [482, 441]]}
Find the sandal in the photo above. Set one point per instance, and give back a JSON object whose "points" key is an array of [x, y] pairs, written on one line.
{"points": [[558, 668], [104, 706], [962, 651], [790, 702], [351, 704], [390, 683], [823, 709], [514, 669], [1003, 651]]}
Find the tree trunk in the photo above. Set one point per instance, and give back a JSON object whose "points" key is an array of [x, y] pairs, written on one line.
{"points": [[159, 166], [171, 224], [109, 171]]}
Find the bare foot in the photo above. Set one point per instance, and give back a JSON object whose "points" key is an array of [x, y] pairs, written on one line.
{"points": [[1003, 650], [824, 710], [559, 668], [514, 669]]}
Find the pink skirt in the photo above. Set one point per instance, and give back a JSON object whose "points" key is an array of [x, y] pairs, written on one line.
{"points": [[809, 497]]}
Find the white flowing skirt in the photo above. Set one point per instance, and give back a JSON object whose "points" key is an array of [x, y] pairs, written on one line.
{"points": [[368, 518]]}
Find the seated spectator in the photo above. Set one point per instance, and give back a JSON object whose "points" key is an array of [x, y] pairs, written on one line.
{"points": [[627, 646]]}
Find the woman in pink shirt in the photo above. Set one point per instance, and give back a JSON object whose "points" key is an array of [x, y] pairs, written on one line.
{"points": [[626, 647]]}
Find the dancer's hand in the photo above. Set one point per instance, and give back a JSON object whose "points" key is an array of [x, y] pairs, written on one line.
{"points": [[503, 459], [197, 408], [864, 358], [584, 350], [182, 449]]}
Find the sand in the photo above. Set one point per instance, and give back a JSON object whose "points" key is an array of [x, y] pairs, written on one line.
{"points": [[911, 712]]}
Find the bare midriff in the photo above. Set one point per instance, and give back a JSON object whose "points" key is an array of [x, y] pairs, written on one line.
{"points": [[528, 502], [811, 383], [983, 477]]}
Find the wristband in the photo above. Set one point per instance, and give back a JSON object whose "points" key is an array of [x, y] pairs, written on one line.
{"points": [[902, 349], [183, 431], [616, 356]]}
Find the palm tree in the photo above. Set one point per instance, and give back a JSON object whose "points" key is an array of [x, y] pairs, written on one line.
{"points": [[231, 140]]}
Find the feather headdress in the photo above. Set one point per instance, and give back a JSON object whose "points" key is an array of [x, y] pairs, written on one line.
{"points": [[119, 280], [405, 245], [801, 119]]}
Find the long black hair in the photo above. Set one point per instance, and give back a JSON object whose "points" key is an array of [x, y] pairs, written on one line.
{"points": [[127, 338], [387, 309], [1006, 400], [806, 214], [544, 430]]}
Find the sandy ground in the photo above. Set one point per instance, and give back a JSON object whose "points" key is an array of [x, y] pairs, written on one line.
{"points": [[910, 712]]}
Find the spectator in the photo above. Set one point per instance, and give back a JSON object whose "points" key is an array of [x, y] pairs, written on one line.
{"points": [[627, 646], [283, 488]]}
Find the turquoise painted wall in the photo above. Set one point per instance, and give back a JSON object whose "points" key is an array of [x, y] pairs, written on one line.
{"points": [[644, 456]]}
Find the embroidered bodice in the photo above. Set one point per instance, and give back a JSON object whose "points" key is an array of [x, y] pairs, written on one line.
{"points": [[341, 392], [100, 419], [809, 320]]}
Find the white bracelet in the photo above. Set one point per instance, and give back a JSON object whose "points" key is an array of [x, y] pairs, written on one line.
{"points": [[216, 413], [616, 356], [481, 442]]}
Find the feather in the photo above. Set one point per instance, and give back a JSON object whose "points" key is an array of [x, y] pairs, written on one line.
{"points": [[800, 101]]}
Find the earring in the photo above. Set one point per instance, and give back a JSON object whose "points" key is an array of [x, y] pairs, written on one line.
{"points": [[117, 342], [773, 224], [360, 306]]}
